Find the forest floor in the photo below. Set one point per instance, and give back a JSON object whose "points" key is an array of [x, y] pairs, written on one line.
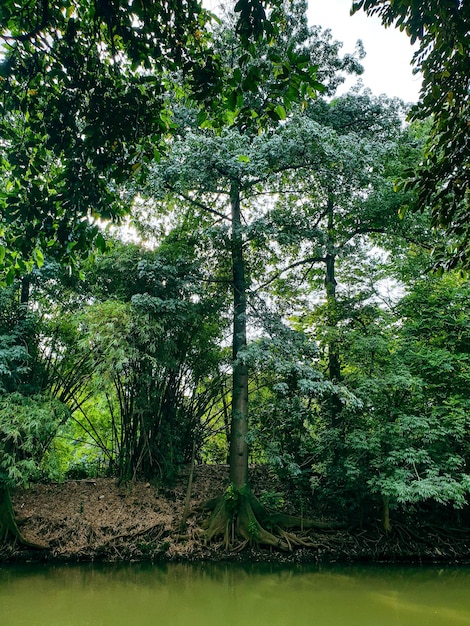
{"points": [[98, 519]]}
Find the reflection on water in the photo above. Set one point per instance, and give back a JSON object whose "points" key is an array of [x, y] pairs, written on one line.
{"points": [[233, 595]]}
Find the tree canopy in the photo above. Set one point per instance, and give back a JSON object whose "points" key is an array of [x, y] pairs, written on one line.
{"points": [[85, 90], [442, 179], [272, 309]]}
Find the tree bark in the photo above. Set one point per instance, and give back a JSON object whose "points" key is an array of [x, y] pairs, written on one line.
{"points": [[239, 425], [8, 525], [24, 293], [386, 524]]}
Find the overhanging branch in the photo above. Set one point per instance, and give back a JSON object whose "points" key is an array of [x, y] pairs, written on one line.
{"points": [[203, 207], [311, 260]]}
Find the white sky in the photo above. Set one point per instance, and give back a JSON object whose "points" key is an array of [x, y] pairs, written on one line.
{"points": [[387, 64], [389, 52]]}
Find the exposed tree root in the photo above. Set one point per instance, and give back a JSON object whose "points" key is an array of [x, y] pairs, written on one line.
{"points": [[242, 520], [128, 536], [9, 525]]}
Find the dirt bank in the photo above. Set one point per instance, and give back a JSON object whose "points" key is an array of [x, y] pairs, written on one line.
{"points": [[100, 520]]}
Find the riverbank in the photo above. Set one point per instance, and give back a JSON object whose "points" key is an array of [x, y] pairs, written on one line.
{"points": [[99, 520]]}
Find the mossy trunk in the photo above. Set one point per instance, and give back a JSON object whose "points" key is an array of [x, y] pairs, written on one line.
{"points": [[231, 511], [8, 524], [240, 519], [238, 456]]}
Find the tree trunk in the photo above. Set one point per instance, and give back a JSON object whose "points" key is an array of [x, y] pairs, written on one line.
{"points": [[239, 426], [334, 366], [386, 524], [8, 525], [24, 293]]}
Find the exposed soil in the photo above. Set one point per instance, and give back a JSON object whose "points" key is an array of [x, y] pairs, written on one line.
{"points": [[87, 520]]}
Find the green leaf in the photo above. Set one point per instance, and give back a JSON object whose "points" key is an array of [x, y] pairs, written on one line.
{"points": [[38, 257], [402, 212], [100, 242], [280, 110]]}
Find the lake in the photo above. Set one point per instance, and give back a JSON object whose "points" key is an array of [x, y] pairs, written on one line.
{"points": [[233, 595]]}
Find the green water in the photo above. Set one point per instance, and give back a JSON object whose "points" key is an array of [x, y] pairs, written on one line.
{"points": [[232, 595]]}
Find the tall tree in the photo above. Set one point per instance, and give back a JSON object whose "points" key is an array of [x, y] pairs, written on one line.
{"points": [[222, 178], [347, 193]]}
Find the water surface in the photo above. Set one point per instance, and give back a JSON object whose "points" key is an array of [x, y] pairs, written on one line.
{"points": [[233, 595]]}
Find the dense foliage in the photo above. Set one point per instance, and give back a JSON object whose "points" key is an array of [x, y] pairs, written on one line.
{"points": [[273, 307], [443, 57]]}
